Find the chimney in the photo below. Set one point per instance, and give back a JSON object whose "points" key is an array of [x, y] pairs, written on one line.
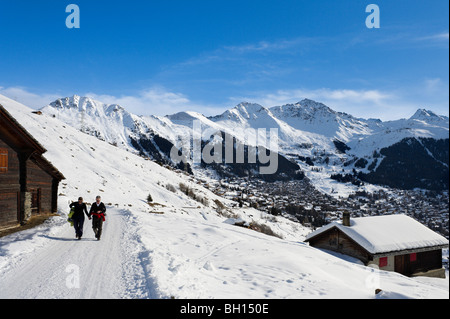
{"points": [[346, 219]]}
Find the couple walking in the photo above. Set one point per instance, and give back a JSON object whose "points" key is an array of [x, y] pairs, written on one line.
{"points": [[97, 213]]}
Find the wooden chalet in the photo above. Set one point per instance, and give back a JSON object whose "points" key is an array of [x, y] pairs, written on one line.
{"points": [[28, 182], [393, 243]]}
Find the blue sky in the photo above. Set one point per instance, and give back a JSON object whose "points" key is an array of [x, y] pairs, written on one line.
{"points": [[160, 57]]}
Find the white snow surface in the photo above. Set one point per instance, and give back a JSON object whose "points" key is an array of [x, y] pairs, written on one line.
{"points": [[388, 233], [175, 248]]}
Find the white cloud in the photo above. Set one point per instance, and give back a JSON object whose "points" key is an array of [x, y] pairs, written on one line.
{"points": [[431, 94], [444, 36], [28, 98], [155, 101], [267, 46], [434, 85], [385, 105], [336, 96], [152, 101]]}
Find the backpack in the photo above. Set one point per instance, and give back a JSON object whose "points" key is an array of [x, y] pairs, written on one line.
{"points": [[69, 219]]}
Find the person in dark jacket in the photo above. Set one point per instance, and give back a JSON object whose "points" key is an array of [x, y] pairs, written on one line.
{"points": [[78, 216], [98, 211]]}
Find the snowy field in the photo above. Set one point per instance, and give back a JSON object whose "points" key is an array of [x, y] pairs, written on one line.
{"points": [[163, 256], [178, 247]]}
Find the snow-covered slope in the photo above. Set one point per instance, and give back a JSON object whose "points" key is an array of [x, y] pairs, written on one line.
{"points": [[176, 247], [385, 134], [111, 123], [314, 117], [325, 143], [313, 126]]}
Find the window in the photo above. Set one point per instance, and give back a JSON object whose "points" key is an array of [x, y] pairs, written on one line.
{"points": [[3, 160], [383, 262], [412, 257]]}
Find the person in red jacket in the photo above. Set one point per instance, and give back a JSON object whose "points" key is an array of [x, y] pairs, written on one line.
{"points": [[98, 213]]}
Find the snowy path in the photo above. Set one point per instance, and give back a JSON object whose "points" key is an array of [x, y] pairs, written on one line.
{"points": [[67, 268], [194, 256]]}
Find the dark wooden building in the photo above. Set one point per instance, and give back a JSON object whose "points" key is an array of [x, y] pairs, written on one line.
{"points": [[393, 243], [28, 182]]}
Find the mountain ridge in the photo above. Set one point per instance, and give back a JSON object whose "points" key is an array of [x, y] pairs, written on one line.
{"points": [[308, 132]]}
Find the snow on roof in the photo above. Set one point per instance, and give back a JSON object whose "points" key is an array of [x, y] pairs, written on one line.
{"points": [[382, 234]]}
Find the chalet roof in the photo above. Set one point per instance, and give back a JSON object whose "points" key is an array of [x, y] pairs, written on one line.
{"points": [[47, 166], [18, 133], [21, 139], [389, 233]]}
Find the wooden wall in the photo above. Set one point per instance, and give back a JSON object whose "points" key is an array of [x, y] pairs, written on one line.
{"points": [[39, 184], [9, 189], [335, 240], [28, 182], [424, 261]]}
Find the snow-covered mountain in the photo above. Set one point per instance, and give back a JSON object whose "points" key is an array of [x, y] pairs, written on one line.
{"points": [[152, 136], [314, 117], [115, 125], [322, 142], [428, 116], [111, 123], [178, 246]]}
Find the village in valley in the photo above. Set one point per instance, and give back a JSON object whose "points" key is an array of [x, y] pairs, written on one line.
{"points": [[301, 201]]}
